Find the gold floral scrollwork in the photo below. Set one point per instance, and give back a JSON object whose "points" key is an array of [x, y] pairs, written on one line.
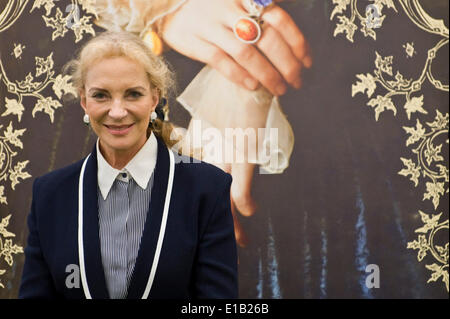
{"points": [[397, 85], [428, 161], [32, 86], [427, 153], [425, 243], [372, 19], [7, 248], [11, 13], [61, 23]]}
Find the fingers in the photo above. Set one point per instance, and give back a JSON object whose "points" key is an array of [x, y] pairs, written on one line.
{"points": [[280, 55], [283, 23], [241, 188], [218, 59], [248, 57]]}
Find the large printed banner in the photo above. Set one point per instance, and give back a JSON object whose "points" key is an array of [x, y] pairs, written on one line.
{"points": [[356, 205]]}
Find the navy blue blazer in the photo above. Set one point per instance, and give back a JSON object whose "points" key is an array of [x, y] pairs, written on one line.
{"points": [[198, 256]]}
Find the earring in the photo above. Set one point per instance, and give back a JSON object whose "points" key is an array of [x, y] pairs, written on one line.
{"points": [[153, 117], [86, 119]]}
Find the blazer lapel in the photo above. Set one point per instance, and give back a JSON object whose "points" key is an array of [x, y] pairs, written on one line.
{"points": [[95, 275], [152, 226]]}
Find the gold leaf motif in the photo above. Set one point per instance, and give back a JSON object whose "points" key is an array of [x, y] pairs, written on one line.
{"points": [[440, 122], [44, 66], [381, 104], [432, 153], [426, 245], [434, 192], [7, 248], [3, 224], [438, 272], [48, 106], [12, 136], [13, 107], [422, 245], [414, 105], [384, 64], [410, 169], [417, 133], [368, 21], [82, 25], [340, 7], [58, 23], [48, 5], [61, 84], [366, 82], [345, 26], [430, 223], [16, 173]]}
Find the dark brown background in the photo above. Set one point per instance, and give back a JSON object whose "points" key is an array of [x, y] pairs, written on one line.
{"points": [[339, 206]]}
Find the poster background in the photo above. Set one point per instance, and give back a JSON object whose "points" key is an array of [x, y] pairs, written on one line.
{"points": [[340, 205]]}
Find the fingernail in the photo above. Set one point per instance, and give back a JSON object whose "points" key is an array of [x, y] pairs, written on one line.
{"points": [[250, 83], [297, 83], [281, 89]]}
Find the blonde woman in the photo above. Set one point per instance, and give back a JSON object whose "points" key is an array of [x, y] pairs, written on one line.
{"points": [[133, 219]]}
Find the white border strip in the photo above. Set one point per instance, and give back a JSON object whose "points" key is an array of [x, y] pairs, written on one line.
{"points": [[162, 229], [80, 232]]}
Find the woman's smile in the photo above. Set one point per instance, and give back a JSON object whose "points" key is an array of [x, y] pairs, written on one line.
{"points": [[119, 129]]}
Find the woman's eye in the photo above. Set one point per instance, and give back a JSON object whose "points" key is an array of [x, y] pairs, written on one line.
{"points": [[135, 94], [99, 95]]}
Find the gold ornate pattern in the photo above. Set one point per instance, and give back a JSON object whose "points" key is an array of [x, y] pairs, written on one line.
{"points": [[370, 21], [61, 24], [425, 243], [428, 160], [12, 106], [409, 49], [18, 50], [7, 248], [428, 153]]}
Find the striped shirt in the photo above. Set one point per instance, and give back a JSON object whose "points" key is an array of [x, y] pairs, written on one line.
{"points": [[123, 210]]}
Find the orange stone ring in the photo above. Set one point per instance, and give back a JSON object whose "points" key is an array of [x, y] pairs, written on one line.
{"points": [[247, 29]]}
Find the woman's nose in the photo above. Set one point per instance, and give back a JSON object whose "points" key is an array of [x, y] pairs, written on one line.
{"points": [[117, 110]]}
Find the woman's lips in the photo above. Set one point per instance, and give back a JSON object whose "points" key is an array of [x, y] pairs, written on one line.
{"points": [[119, 129]]}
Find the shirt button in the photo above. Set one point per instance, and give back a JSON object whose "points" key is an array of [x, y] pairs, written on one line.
{"points": [[124, 175]]}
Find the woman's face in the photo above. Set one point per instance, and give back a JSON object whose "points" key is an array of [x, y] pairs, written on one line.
{"points": [[119, 99]]}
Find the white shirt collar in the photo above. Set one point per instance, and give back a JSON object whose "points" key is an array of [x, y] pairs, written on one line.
{"points": [[140, 167]]}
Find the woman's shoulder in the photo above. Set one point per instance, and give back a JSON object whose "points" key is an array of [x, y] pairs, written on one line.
{"points": [[61, 176]]}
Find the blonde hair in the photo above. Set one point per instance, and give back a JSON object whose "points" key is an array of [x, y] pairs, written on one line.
{"points": [[111, 44]]}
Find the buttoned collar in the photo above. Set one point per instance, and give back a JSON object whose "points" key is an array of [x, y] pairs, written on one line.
{"points": [[140, 167]]}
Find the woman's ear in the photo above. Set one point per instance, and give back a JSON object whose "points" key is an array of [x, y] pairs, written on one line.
{"points": [[155, 98], [82, 99]]}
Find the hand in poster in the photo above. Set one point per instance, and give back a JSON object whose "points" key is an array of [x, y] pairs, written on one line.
{"points": [[203, 31]]}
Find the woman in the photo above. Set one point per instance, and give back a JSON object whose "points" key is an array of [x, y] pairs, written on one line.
{"points": [[133, 219]]}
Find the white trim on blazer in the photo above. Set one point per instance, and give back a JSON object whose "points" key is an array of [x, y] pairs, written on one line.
{"points": [[162, 229]]}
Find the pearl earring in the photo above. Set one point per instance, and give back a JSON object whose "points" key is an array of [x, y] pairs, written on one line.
{"points": [[86, 119], [153, 116]]}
